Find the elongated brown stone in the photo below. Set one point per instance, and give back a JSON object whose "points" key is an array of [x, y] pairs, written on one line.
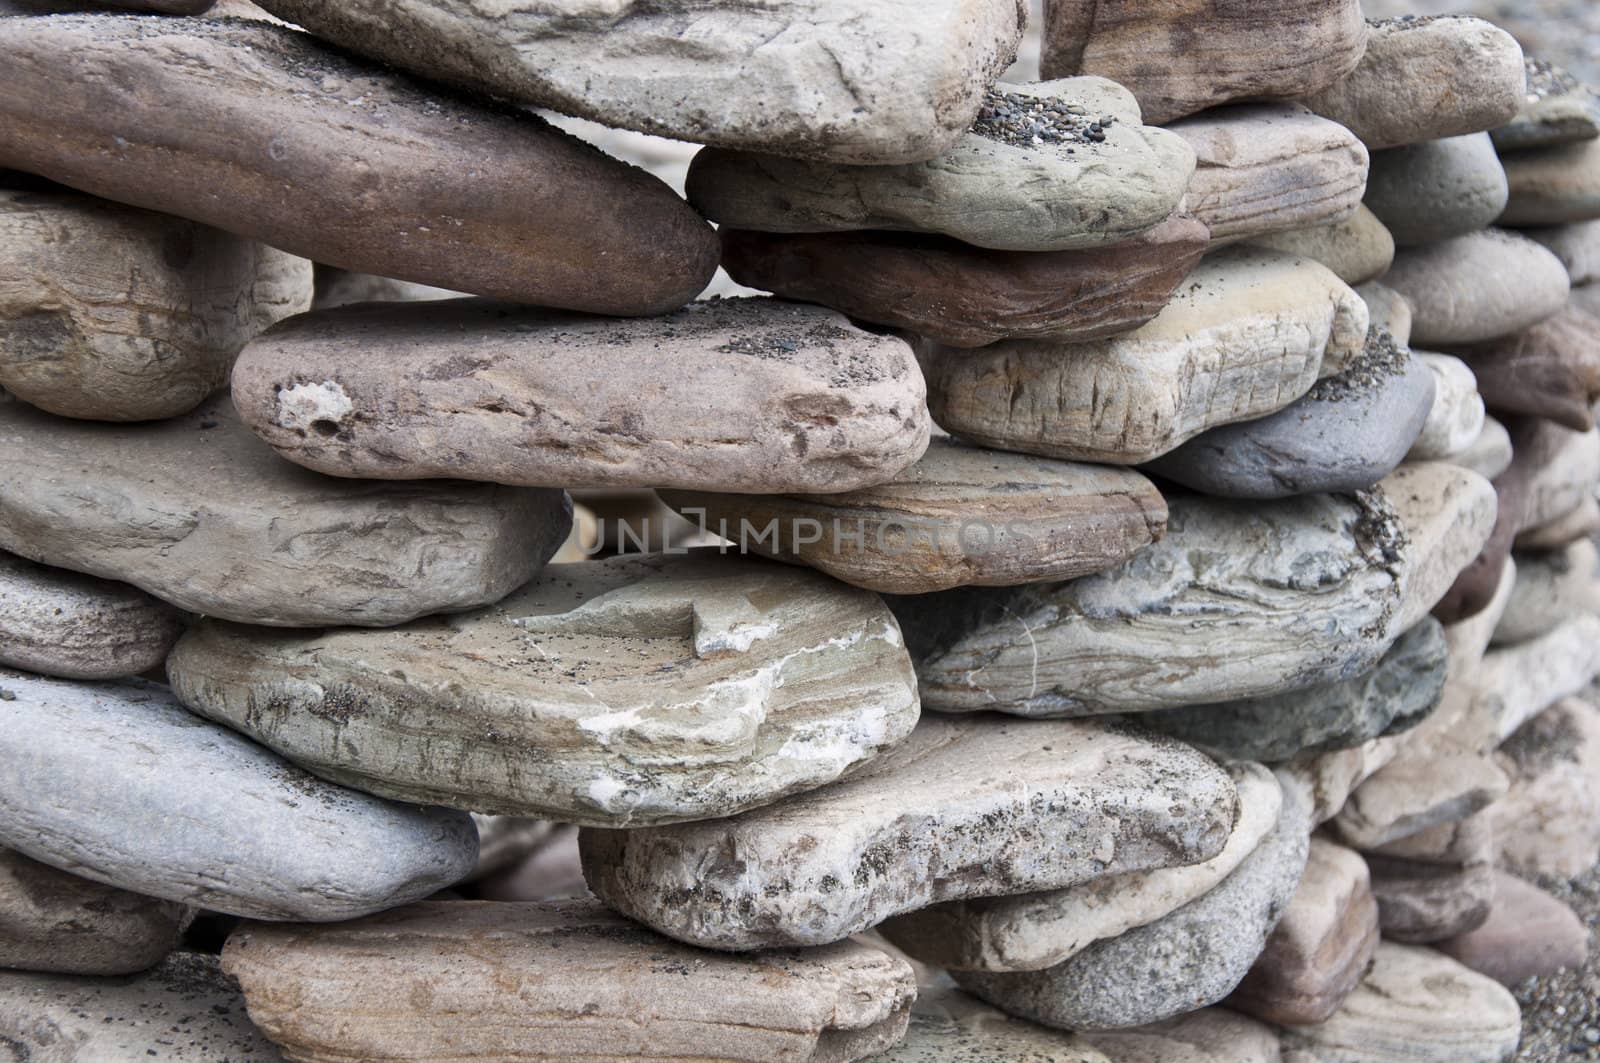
{"points": [[1550, 370]]}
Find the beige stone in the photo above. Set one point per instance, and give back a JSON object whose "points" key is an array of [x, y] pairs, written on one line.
{"points": [[1552, 587], [1579, 522], [1478, 287], [1413, 794], [1210, 1035], [1490, 454], [1329, 778], [1566, 477], [1358, 249], [1553, 186], [1549, 821], [1456, 420], [61, 623], [948, 1025], [1577, 246]]}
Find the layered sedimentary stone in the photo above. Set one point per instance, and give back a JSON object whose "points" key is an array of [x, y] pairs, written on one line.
{"points": [[524, 971], [529, 216], [1549, 820], [1421, 902], [1528, 934], [118, 314], [64, 624], [805, 401], [1437, 189], [1478, 287], [1490, 454], [962, 808], [1210, 53], [1358, 249], [53, 921], [959, 516], [1456, 418], [93, 776], [1426, 78], [624, 692], [1552, 587], [1190, 958], [200, 513], [1271, 168], [1322, 946], [184, 1011], [1550, 370], [965, 296], [1416, 1004], [1394, 697], [1449, 514], [1558, 109], [1553, 186], [1347, 433], [1053, 166], [1033, 931], [1577, 246], [1248, 333]]}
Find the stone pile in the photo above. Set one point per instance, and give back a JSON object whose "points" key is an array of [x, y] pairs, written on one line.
{"points": [[1166, 490]]}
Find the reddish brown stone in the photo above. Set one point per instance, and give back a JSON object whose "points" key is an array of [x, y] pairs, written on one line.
{"points": [[1551, 370], [967, 296], [1474, 589], [1528, 933]]}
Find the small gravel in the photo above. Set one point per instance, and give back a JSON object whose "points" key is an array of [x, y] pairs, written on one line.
{"points": [[1034, 121], [1561, 1013], [1380, 360]]}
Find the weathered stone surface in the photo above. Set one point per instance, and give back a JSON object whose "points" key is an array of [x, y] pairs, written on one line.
{"points": [[91, 777], [1210, 1035], [1414, 793], [624, 692], [1563, 467], [525, 972], [1552, 587], [1347, 433], [1387, 310], [1328, 778], [948, 1025], [1549, 821], [1322, 946], [892, 82], [118, 314], [962, 808], [1553, 186], [1271, 168], [1551, 370], [1248, 333], [200, 513], [184, 1011], [987, 189], [805, 401], [965, 296], [1577, 246], [1490, 454], [1569, 528], [1395, 696], [1478, 287], [1358, 249], [1558, 109], [60, 623], [1437, 189], [1422, 902], [340, 287], [1427, 78], [1033, 931], [528, 213], [1183, 57], [53, 921], [1458, 842], [959, 516], [1416, 1005], [1449, 514], [1528, 934], [1190, 958], [1456, 419]]}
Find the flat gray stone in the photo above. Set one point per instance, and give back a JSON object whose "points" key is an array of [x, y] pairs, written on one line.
{"points": [[1552, 587], [1553, 186], [1577, 246], [1558, 109], [61, 623], [1457, 416], [992, 188], [94, 778], [1347, 433], [474, 389], [1478, 287], [962, 808], [625, 692], [1193, 957], [1358, 249], [1437, 189], [200, 513]]}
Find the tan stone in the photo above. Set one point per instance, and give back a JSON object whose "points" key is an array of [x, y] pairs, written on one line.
{"points": [[1490, 454], [1553, 586], [1388, 310], [1577, 523], [61, 623], [1563, 467], [1457, 417], [1448, 513], [1577, 246], [1529, 934], [1553, 186], [1210, 1035], [948, 1025], [1478, 287], [1358, 249], [1549, 821]]}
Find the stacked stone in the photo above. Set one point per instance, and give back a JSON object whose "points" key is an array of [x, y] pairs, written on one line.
{"points": [[1104, 380]]}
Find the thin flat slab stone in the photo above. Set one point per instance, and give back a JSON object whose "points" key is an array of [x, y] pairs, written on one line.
{"points": [[1271, 168], [56, 922], [1563, 467], [962, 808], [1248, 333], [528, 213], [1033, 931], [1552, 587], [1456, 419], [1553, 186], [1421, 902], [1577, 246], [626, 692], [965, 296], [1358, 249], [1387, 310], [1551, 370], [886, 83], [726, 394], [1322, 946], [1347, 433], [1549, 821], [200, 513], [1188, 959], [1179, 58], [947, 1026], [1558, 109], [1424, 78], [1529, 934], [960, 516], [93, 777], [1051, 166], [1437, 189], [1478, 287], [1442, 782], [556, 982], [184, 1011], [1395, 696], [61, 623], [1490, 454], [1419, 1006], [1459, 842], [118, 314]]}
